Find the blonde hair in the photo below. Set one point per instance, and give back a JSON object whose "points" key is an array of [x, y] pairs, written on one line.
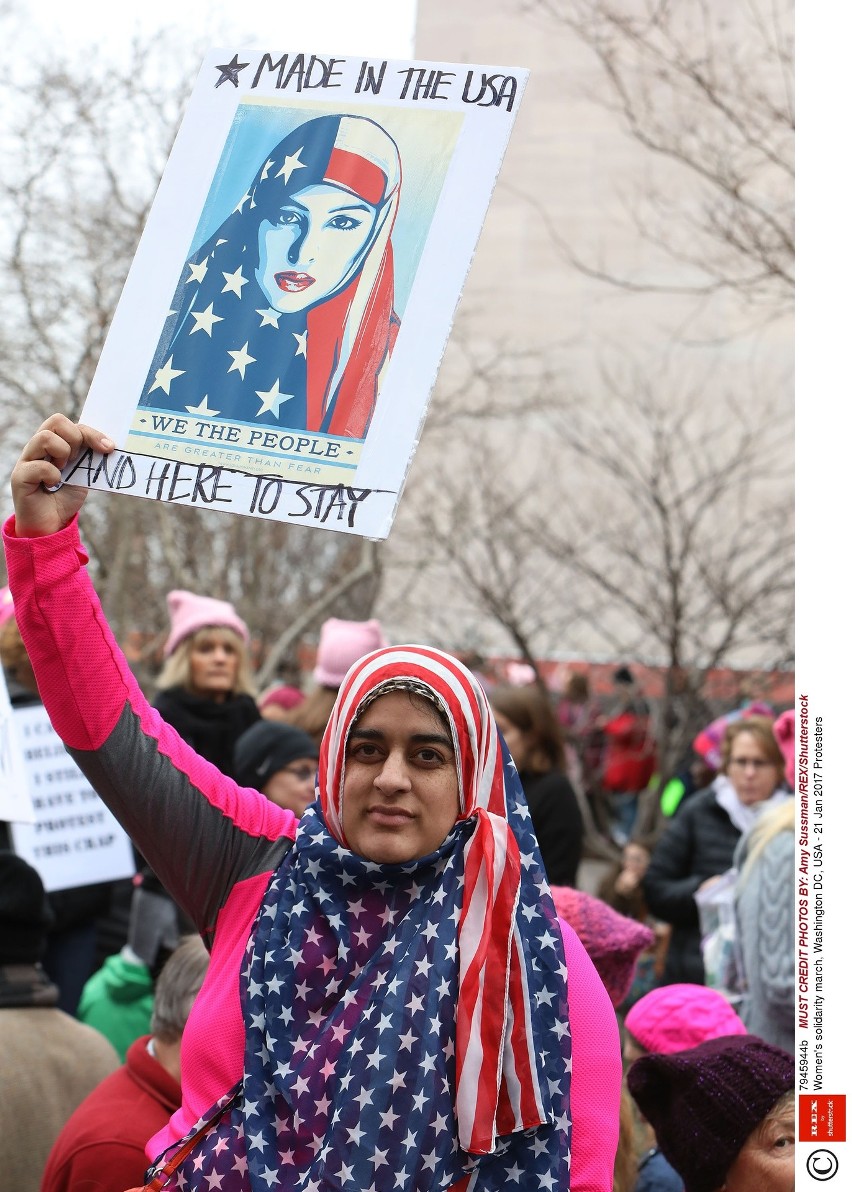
{"points": [[177, 669], [313, 713], [780, 819]]}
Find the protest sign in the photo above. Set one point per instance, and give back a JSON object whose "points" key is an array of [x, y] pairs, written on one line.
{"points": [[281, 327], [15, 803], [73, 839]]}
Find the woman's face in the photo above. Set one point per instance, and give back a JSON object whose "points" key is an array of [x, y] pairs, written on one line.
{"points": [[304, 255], [213, 664], [515, 738], [635, 859], [293, 787], [767, 1160], [400, 787], [753, 776]]}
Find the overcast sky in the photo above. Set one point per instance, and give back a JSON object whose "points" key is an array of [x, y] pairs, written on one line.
{"points": [[370, 27]]}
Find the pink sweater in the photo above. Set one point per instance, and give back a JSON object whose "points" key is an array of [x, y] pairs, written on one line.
{"points": [[214, 845]]}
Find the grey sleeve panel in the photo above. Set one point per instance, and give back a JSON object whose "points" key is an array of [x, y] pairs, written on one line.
{"points": [[201, 834]]}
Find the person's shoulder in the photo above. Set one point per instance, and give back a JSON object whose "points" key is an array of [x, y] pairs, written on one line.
{"points": [[698, 805]]}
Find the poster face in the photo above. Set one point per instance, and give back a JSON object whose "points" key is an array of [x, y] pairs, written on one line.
{"points": [[74, 839], [283, 321]]}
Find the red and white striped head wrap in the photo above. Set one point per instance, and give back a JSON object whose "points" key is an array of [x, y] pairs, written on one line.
{"points": [[498, 1072]]}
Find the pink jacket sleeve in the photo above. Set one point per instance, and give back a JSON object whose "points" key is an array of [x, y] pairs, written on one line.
{"points": [[595, 1071]]}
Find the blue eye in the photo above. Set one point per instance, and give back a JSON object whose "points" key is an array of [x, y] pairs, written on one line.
{"points": [[288, 217], [343, 223]]}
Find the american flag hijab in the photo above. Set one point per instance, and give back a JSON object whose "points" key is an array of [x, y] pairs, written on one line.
{"points": [[228, 352], [407, 1025]]}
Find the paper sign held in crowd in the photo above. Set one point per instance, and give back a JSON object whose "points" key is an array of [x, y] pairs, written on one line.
{"points": [[71, 839]]}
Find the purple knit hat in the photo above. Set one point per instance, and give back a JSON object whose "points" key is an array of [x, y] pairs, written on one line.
{"points": [[341, 644], [704, 1103], [188, 613], [613, 941], [675, 1017]]}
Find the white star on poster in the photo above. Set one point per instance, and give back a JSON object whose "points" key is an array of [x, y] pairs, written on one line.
{"points": [[165, 375], [202, 408], [241, 358], [234, 282], [204, 320], [301, 338], [291, 163], [197, 272], [269, 317], [270, 401]]}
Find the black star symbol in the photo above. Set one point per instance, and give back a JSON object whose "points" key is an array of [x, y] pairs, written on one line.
{"points": [[230, 72]]}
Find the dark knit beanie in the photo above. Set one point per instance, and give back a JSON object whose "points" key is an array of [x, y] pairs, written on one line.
{"points": [[25, 914], [704, 1103], [267, 747]]}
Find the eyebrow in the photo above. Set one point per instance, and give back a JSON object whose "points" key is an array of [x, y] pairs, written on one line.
{"points": [[332, 210], [376, 734]]}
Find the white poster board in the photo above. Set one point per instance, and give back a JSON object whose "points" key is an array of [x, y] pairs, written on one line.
{"points": [[75, 840], [281, 327], [15, 802]]}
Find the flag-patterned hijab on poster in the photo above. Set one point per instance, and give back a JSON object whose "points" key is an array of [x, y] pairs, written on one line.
{"points": [[406, 1025], [284, 317]]}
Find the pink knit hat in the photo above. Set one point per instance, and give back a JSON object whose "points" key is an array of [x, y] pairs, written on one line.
{"points": [[675, 1017], [283, 696], [785, 734], [7, 608], [341, 643], [708, 743], [189, 613], [612, 941]]}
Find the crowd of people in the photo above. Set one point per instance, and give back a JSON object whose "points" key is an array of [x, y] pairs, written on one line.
{"points": [[357, 953]]}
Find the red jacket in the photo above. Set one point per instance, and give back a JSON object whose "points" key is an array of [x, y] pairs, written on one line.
{"points": [[101, 1147], [630, 756]]}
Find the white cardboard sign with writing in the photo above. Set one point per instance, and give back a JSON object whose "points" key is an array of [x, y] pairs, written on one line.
{"points": [[15, 802], [283, 321], [75, 840]]}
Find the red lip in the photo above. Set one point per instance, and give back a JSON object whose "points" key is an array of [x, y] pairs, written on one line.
{"points": [[293, 283]]}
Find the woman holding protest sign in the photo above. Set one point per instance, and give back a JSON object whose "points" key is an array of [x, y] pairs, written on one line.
{"points": [[284, 317], [392, 1001]]}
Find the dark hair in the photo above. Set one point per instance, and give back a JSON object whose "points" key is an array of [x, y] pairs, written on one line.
{"points": [[530, 710]]}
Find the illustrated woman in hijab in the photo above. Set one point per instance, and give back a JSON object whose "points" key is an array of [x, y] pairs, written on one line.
{"points": [[285, 315]]}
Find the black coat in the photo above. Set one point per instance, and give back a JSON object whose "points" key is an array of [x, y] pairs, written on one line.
{"points": [[558, 824], [698, 843], [210, 728]]}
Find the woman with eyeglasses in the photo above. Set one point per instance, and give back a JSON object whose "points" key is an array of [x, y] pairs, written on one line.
{"points": [[699, 844], [280, 761]]}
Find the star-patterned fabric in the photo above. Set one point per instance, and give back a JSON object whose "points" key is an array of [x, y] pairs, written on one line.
{"points": [[226, 353], [354, 985]]}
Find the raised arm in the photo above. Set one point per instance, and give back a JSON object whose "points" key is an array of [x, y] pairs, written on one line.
{"points": [[201, 833]]}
